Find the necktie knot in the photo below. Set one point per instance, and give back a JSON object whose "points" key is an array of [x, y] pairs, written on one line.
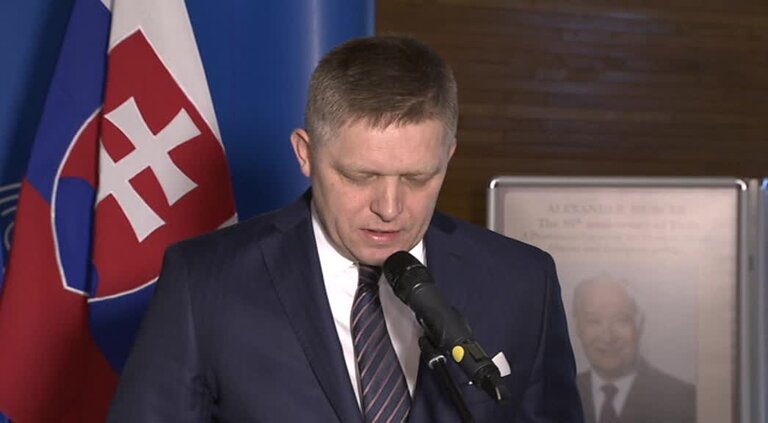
{"points": [[610, 390], [368, 275]]}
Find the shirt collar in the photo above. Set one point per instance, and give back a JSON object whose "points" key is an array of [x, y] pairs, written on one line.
{"points": [[622, 384]]}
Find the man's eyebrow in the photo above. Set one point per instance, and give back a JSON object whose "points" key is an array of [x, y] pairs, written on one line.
{"points": [[424, 172], [355, 169], [362, 169]]}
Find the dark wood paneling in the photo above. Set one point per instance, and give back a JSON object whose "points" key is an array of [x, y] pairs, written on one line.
{"points": [[628, 87]]}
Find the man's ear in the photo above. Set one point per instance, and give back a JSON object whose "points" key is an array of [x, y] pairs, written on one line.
{"points": [[302, 150]]}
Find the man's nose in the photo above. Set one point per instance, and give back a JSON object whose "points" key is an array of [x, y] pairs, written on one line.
{"points": [[605, 333], [388, 199]]}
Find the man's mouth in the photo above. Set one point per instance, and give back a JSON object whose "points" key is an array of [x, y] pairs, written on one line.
{"points": [[380, 235]]}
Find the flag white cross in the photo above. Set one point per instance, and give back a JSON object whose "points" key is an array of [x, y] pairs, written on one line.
{"points": [[151, 151]]}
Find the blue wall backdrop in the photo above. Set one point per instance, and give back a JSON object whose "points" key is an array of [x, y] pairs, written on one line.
{"points": [[257, 55], [30, 37]]}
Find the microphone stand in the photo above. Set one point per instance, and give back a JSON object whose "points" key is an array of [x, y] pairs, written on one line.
{"points": [[437, 363]]}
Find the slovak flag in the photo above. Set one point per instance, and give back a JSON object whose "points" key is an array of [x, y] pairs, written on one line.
{"points": [[127, 160]]}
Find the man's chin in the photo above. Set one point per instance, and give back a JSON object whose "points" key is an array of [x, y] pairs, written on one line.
{"points": [[613, 372], [377, 257]]}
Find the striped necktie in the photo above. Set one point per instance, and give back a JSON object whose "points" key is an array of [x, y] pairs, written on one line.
{"points": [[608, 412], [385, 396]]}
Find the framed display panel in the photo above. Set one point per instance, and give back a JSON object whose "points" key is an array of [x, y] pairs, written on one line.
{"points": [[760, 209], [655, 284]]}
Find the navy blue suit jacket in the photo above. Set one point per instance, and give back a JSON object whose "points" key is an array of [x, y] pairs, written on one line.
{"points": [[240, 330]]}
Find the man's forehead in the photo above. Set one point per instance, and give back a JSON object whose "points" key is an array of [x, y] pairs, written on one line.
{"points": [[595, 293], [361, 136]]}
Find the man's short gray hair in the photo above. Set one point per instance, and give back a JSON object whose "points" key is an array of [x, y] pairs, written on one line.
{"points": [[381, 80]]}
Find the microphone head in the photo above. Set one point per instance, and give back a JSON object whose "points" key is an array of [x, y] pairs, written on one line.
{"points": [[403, 272]]}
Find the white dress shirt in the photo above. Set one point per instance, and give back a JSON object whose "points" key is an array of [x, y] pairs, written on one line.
{"points": [[622, 384], [340, 278]]}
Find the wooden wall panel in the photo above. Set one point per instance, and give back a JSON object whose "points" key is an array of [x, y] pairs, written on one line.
{"points": [[626, 87]]}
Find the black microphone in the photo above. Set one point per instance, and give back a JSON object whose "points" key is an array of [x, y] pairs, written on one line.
{"points": [[443, 325]]}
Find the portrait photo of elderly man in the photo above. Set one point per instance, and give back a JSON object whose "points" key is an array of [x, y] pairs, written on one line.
{"points": [[620, 385]]}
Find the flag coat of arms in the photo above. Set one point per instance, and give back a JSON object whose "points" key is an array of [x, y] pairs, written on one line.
{"points": [[127, 160]]}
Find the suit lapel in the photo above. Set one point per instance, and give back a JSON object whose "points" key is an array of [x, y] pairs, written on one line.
{"points": [[634, 407], [449, 269], [584, 382], [299, 286], [447, 265]]}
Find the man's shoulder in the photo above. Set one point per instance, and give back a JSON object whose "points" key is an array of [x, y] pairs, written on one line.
{"points": [[663, 383], [481, 240], [662, 397], [242, 234]]}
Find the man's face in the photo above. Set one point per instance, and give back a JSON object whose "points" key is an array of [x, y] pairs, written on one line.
{"points": [[607, 324], [375, 190]]}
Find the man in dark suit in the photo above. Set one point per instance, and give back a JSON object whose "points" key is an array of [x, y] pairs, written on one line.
{"points": [[621, 387], [284, 318]]}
